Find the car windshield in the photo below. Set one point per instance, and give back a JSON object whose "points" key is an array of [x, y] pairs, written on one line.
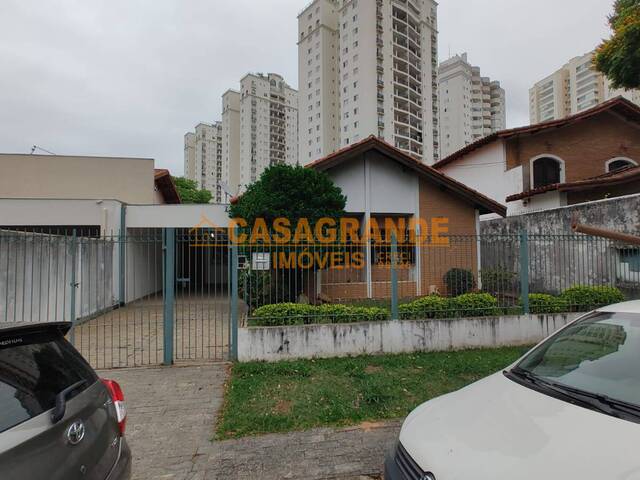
{"points": [[599, 355]]}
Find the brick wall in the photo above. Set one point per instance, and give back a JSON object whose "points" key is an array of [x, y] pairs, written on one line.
{"points": [[585, 147], [436, 261]]}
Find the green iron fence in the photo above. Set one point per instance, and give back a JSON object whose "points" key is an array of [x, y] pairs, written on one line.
{"points": [[161, 296], [466, 276], [145, 298]]}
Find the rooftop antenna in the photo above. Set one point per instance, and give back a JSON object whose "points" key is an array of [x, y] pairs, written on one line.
{"points": [[36, 147], [225, 188]]}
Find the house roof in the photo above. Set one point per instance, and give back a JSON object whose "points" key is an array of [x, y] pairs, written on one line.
{"points": [[618, 177], [480, 201], [166, 186], [620, 105]]}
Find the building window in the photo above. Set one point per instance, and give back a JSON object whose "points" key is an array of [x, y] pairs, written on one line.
{"points": [[546, 171], [616, 164]]}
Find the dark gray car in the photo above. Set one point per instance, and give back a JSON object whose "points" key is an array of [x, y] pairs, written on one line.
{"points": [[58, 420]]}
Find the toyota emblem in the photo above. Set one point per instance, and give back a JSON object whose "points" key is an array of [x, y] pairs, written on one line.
{"points": [[75, 433]]}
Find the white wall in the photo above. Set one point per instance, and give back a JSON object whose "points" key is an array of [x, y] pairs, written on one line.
{"points": [[29, 212], [485, 170], [392, 189], [545, 201], [177, 216], [144, 259], [325, 341], [37, 272]]}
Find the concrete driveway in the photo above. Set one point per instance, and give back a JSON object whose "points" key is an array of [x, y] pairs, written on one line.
{"points": [[171, 421]]}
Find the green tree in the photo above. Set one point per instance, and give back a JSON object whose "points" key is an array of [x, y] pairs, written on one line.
{"points": [[292, 192], [189, 192], [619, 57]]}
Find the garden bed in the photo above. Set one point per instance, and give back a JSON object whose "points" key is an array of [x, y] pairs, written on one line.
{"points": [[480, 304]]}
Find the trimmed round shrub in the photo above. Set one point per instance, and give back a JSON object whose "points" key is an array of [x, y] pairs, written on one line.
{"points": [[475, 305], [459, 281], [582, 298], [280, 314], [497, 280], [433, 306], [540, 303]]}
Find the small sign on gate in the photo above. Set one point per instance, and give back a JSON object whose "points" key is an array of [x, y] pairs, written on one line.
{"points": [[260, 261]]}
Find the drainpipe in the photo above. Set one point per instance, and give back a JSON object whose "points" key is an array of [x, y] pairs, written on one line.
{"points": [[604, 233]]}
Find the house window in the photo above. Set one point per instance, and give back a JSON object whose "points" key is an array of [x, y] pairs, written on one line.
{"points": [[546, 171], [619, 163]]}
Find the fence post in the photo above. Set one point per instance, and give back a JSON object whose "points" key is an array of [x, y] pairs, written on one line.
{"points": [[394, 276], [122, 238], [234, 297], [73, 285], [524, 271], [169, 249]]}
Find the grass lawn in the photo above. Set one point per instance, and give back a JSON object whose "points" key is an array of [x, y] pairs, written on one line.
{"points": [[297, 395]]}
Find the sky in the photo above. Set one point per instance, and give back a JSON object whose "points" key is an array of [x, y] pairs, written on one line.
{"points": [[130, 77]]}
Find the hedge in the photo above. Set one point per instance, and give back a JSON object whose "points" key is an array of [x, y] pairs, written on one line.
{"points": [[433, 306], [581, 298], [540, 303], [466, 305], [475, 305], [280, 314], [574, 299]]}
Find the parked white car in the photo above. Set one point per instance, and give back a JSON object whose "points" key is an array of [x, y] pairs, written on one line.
{"points": [[569, 409]]}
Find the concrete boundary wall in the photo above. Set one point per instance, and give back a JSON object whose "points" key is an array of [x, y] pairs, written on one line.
{"points": [[340, 340]]}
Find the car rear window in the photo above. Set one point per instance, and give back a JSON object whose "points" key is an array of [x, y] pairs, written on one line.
{"points": [[33, 370]]}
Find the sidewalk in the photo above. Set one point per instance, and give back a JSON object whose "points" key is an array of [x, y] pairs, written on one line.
{"points": [[171, 418]]}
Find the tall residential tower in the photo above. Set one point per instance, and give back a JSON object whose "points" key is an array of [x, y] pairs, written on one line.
{"points": [[350, 89], [203, 160], [268, 125], [575, 87], [471, 106], [259, 128]]}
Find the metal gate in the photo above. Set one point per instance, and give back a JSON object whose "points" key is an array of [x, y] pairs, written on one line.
{"points": [[152, 296]]}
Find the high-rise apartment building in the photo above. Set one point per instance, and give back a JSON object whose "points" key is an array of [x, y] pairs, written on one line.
{"points": [[231, 140], [471, 106], [190, 155], [203, 160], [268, 125], [259, 128], [368, 67], [576, 87]]}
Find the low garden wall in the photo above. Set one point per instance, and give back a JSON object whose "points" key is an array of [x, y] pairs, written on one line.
{"points": [[404, 336]]}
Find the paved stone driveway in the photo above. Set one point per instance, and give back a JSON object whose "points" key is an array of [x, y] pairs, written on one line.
{"points": [[171, 422], [132, 336]]}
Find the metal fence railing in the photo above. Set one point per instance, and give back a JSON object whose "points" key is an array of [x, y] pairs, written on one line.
{"points": [[505, 274], [158, 296], [113, 289]]}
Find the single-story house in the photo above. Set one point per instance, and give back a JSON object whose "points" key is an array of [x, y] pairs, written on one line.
{"points": [[588, 156], [381, 181]]}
